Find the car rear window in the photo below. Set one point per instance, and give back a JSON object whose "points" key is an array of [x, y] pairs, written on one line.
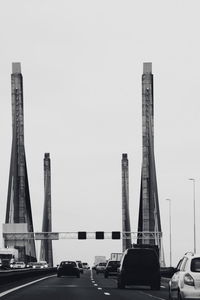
{"points": [[69, 263], [141, 258], [195, 265], [102, 264], [114, 263]]}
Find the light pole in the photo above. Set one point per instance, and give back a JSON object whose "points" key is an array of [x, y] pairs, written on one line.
{"points": [[170, 233], [193, 180]]}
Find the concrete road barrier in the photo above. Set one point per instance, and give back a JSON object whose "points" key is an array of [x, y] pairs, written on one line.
{"points": [[7, 276]]}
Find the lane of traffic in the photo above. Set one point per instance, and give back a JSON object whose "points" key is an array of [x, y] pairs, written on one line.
{"points": [[109, 285], [67, 288], [89, 286]]}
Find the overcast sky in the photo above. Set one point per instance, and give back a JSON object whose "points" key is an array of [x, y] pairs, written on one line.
{"points": [[82, 63]]}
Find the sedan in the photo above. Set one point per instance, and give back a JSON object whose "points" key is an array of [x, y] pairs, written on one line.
{"points": [[18, 265], [38, 265]]}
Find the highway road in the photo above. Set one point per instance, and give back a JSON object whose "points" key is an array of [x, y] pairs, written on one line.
{"points": [[89, 286]]}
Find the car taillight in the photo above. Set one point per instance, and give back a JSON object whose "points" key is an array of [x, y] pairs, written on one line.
{"points": [[188, 279]]}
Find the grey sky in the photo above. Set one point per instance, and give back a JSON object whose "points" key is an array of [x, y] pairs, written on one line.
{"points": [[82, 65]]}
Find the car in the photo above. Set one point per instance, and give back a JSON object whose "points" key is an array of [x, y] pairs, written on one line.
{"points": [[80, 265], [38, 265], [94, 267], [30, 264], [18, 265], [111, 268], [185, 283], [85, 266], [100, 268], [139, 266], [69, 268]]}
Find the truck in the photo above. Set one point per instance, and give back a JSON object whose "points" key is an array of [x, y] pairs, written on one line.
{"points": [[99, 259], [116, 256], [8, 256]]}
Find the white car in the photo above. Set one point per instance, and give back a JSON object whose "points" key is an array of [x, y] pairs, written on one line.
{"points": [[185, 283], [18, 265], [38, 265], [85, 266]]}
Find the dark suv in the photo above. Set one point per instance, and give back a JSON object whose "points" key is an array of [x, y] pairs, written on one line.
{"points": [[68, 268], [139, 266]]}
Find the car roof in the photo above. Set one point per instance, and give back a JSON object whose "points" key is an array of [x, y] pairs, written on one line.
{"points": [[191, 255], [114, 260], [143, 249], [68, 261]]}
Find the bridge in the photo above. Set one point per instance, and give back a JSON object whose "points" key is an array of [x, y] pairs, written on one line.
{"points": [[18, 231]]}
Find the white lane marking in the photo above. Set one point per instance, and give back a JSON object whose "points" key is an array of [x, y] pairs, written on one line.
{"points": [[91, 274], [58, 286], [99, 288], [152, 296], [24, 285]]}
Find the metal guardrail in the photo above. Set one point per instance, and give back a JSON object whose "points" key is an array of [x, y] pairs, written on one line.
{"points": [[7, 276]]}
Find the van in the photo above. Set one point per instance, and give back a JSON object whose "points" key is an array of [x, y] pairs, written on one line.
{"points": [[139, 266]]}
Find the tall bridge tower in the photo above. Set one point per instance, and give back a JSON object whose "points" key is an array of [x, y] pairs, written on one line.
{"points": [[46, 252], [126, 227], [18, 211], [149, 213]]}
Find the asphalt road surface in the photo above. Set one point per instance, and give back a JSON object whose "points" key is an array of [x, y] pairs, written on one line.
{"points": [[88, 287]]}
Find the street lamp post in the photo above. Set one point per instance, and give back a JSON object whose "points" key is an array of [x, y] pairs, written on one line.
{"points": [[193, 180], [170, 233]]}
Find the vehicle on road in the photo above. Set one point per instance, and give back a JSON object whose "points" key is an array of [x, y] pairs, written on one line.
{"points": [[80, 265], [116, 256], [98, 259], [68, 268], [100, 268], [38, 265], [139, 266], [185, 283], [18, 265], [111, 268], [30, 264], [8, 256], [85, 266]]}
